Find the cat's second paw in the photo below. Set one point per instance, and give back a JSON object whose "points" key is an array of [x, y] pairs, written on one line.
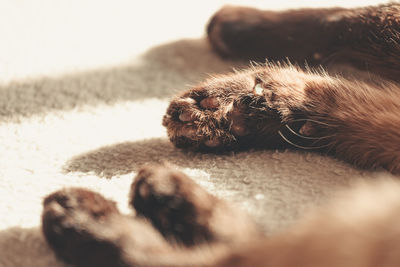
{"points": [[224, 112], [179, 208]]}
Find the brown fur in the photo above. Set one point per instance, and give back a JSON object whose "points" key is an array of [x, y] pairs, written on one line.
{"points": [[177, 223]]}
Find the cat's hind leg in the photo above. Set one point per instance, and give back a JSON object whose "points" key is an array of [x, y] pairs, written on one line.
{"points": [[178, 224], [184, 212], [250, 33], [365, 37]]}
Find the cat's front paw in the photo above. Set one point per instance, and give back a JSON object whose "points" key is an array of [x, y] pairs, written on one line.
{"points": [[229, 111]]}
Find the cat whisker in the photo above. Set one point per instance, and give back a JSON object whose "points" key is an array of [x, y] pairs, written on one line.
{"points": [[299, 146], [308, 138], [314, 121]]}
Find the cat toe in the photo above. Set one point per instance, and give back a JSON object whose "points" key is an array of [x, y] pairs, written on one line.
{"points": [[186, 116], [209, 103], [73, 200], [238, 129], [189, 132], [238, 126]]}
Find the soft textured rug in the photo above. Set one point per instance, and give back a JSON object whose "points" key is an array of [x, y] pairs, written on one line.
{"points": [[83, 88]]}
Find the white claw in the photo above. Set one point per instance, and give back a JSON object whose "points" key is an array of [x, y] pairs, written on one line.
{"points": [[258, 89]]}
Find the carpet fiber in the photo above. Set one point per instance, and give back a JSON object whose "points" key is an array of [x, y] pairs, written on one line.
{"points": [[83, 88]]}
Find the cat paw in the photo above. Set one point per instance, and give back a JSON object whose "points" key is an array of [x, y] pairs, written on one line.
{"points": [[228, 111], [176, 206], [70, 223]]}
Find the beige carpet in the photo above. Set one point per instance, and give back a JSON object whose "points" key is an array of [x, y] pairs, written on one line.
{"points": [[83, 87]]}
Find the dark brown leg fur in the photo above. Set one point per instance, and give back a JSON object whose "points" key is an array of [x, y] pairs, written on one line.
{"points": [[365, 37], [259, 34]]}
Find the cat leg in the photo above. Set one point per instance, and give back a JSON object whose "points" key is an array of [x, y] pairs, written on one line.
{"points": [[256, 34], [85, 229], [184, 212], [355, 121], [364, 37]]}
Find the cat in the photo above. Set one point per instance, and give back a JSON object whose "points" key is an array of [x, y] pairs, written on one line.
{"points": [[272, 105], [353, 120]]}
